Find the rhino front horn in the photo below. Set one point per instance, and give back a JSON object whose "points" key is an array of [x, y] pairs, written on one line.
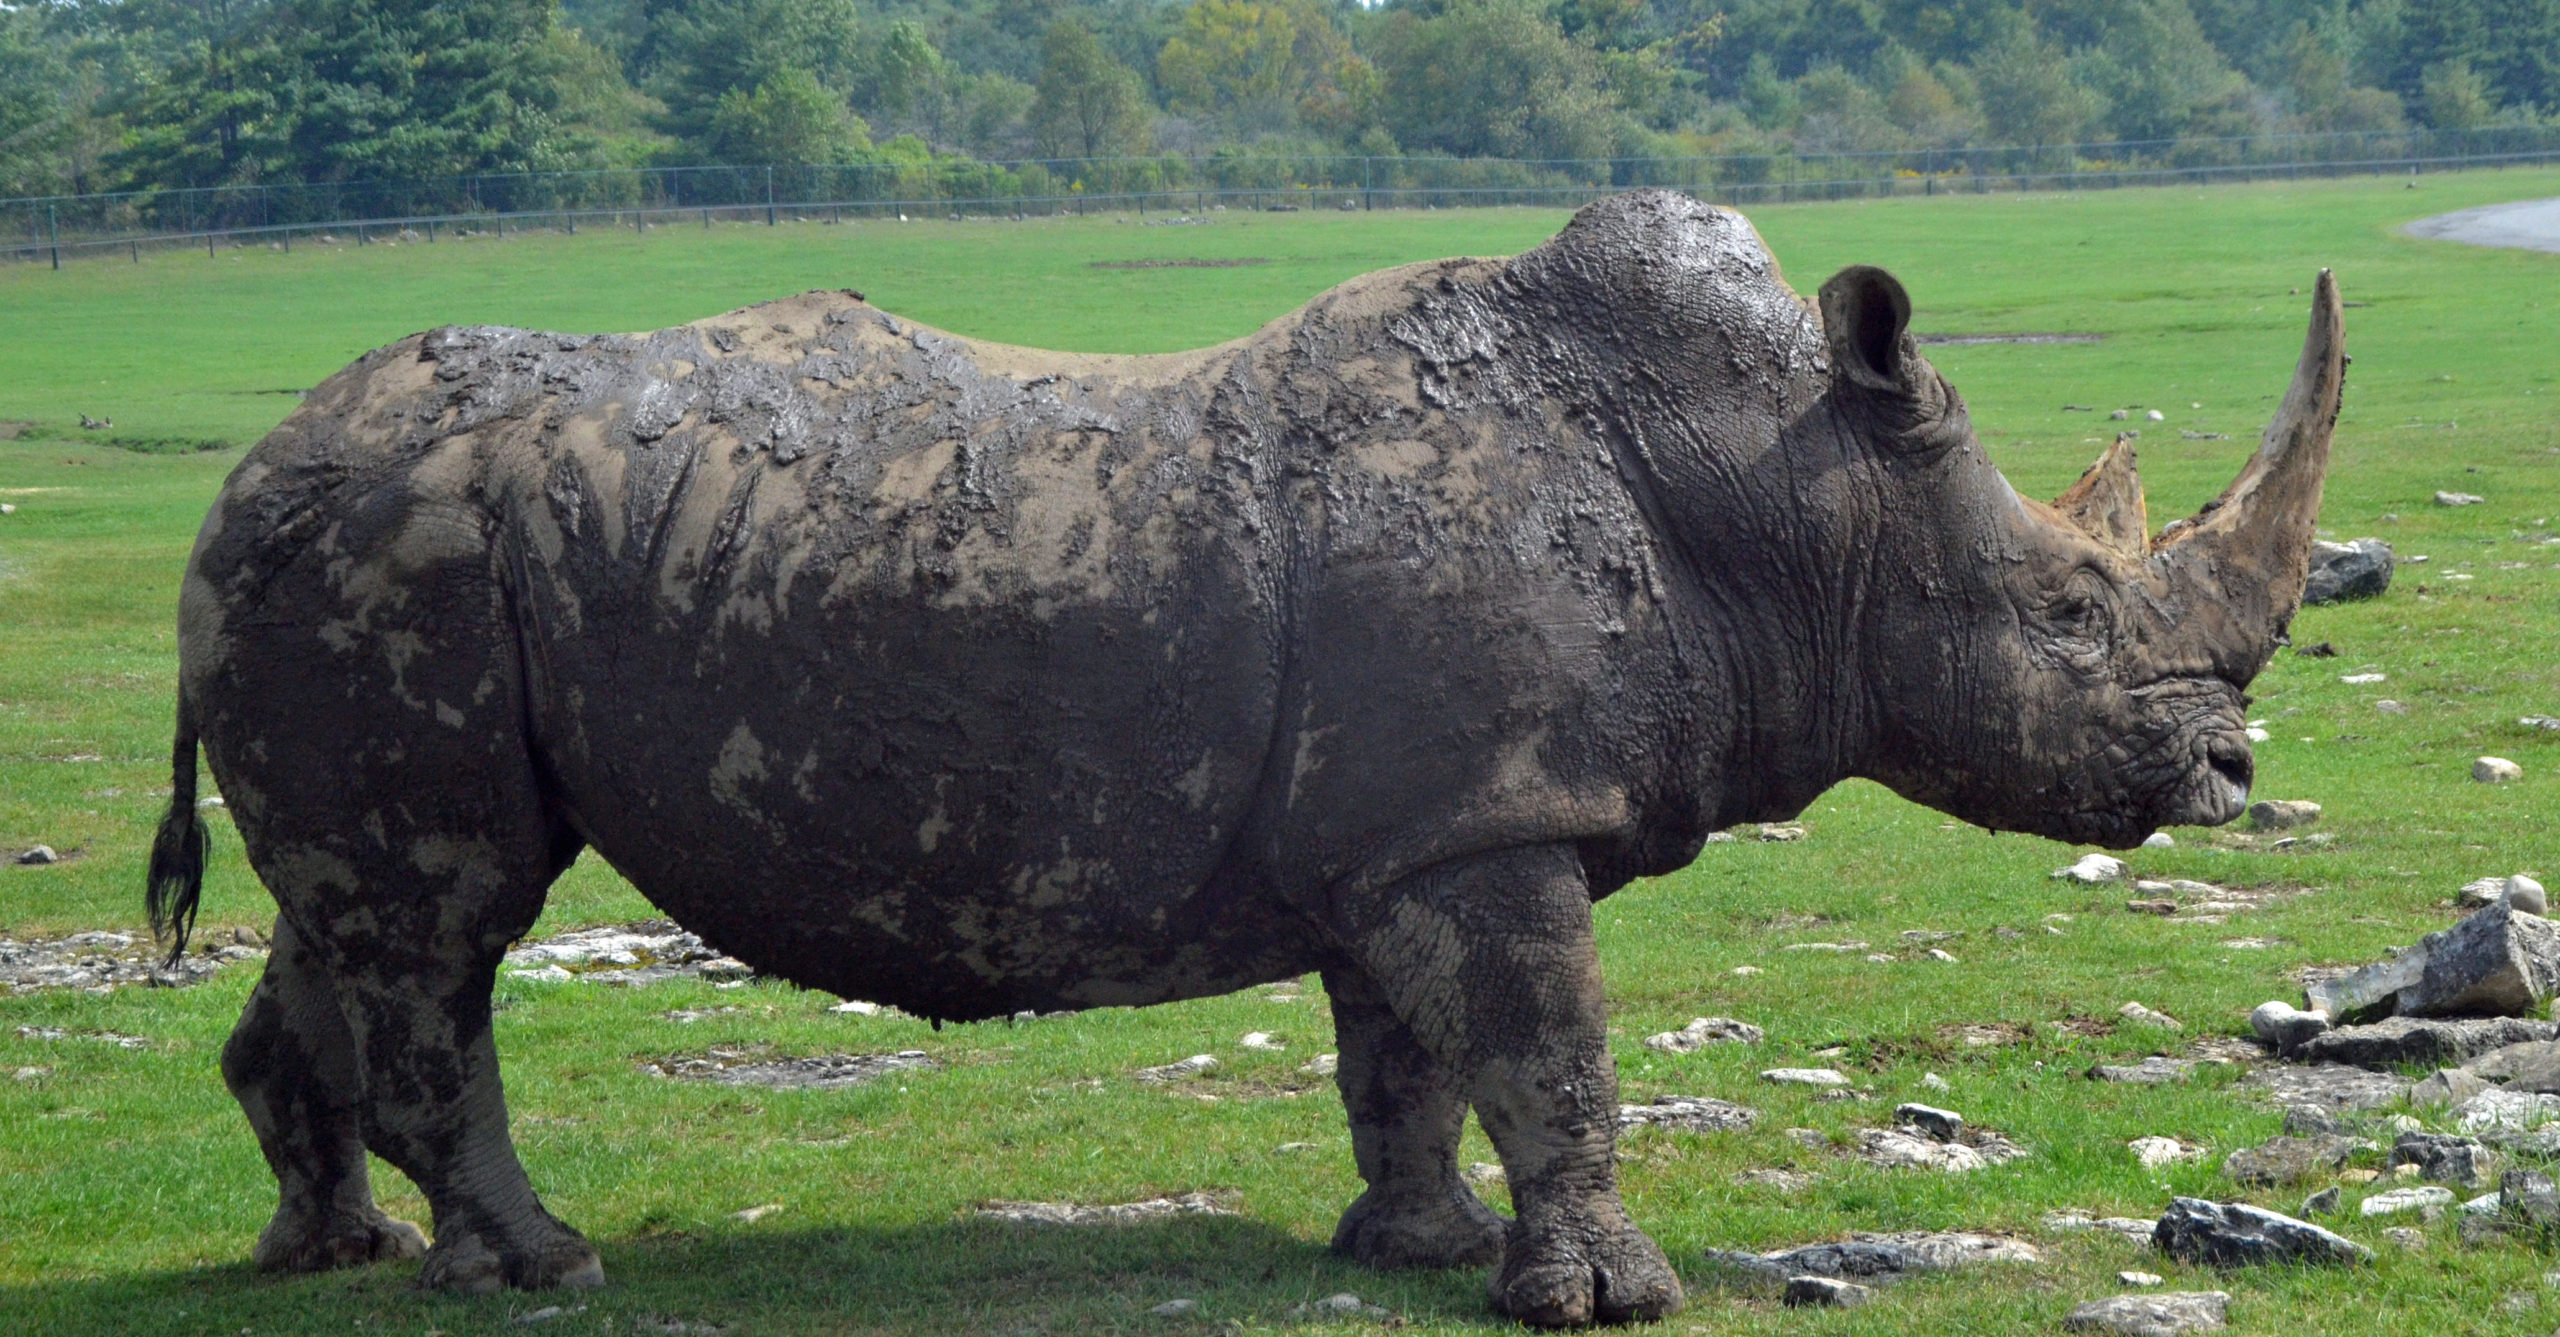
{"points": [[2253, 543]]}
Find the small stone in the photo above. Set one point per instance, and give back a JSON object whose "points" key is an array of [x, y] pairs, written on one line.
{"points": [[2323, 1202], [752, 1215], [2159, 840], [2154, 1071], [1781, 832], [2311, 1121], [2286, 1028], [2143, 1016], [1698, 1114], [2527, 895], [2155, 1152], [1348, 1305], [2407, 1237], [1934, 1082], [1484, 1172], [2234, 1234], [2397, 1200], [2120, 415], [2092, 869], [2484, 1205], [2530, 1197], [2139, 1278], [1804, 1077], [2496, 1110], [2390, 707], [2359, 569], [2162, 907], [1898, 1149], [1259, 1040], [39, 855], [2155, 415], [2163, 1315], [1825, 1293], [1176, 1309], [1811, 1139], [1704, 1031], [2446, 1088], [1944, 1125], [2458, 499], [1286, 1148], [857, 1007], [1784, 1181], [2486, 770], [1322, 1065], [2362, 679], [2289, 1160], [1942, 954], [2278, 814], [2442, 1159], [1748, 970], [1180, 1069]]}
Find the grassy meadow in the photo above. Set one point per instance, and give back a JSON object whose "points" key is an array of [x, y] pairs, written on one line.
{"points": [[131, 1189]]}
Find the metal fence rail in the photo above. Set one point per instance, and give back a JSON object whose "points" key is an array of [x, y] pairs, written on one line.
{"points": [[48, 228]]}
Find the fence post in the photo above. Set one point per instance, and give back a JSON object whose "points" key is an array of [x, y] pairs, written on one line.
{"points": [[208, 243], [768, 195], [53, 234], [1366, 203]]}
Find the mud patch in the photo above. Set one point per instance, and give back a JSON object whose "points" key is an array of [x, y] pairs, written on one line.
{"points": [[1235, 262], [1112, 1214], [12, 430], [748, 1067], [2019, 337], [647, 952], [103, 961]]}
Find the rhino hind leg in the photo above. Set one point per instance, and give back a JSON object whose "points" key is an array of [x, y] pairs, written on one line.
{"points": [[1406, 1117], [1490, 961], [291, 1063]]}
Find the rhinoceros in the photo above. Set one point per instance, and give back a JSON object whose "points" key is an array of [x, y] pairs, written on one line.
{"points": [[972, 679]]}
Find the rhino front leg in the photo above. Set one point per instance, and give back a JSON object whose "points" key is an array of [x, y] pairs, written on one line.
{"points": [[1490, 961], [291, 1064], [1406, 1116]]}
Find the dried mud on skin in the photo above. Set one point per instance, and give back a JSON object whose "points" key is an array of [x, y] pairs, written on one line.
{"points": [[824, 1072], [103, 961]]}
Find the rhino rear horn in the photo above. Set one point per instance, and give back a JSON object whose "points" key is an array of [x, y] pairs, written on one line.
{"points": [[2254, 541], [2107, 501]]}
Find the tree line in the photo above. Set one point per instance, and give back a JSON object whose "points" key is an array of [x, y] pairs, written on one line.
{"points": [[102, 95]]}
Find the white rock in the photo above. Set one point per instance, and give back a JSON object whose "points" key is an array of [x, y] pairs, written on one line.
{"points": [[2159, 840], [2256, 734], [1259, 1040], [2527, 895], [2495, 771], [2484, 1205], [1322, 1065], [1704, 1031], [857, 1007], [2154, 1152], [1804, 1077], [2092, 869], [754, 1214], [1176, 1071], [1893, 1149], [1176, 1309], [1748, 970], [40, 854], [1942, 954], [2139, 1278], [1935, 1082], [2458, 499], [2143, 1016], [2407, 1200], [2502, 1110], [2362, 679]]}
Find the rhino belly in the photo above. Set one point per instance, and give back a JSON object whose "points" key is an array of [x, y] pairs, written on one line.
{"points": [[965, 811]]}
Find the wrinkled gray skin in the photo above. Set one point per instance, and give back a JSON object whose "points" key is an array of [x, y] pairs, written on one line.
{"points": [[973, 679]]}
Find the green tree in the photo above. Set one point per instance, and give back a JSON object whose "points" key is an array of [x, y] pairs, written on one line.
{"points": [[789, 119], [697, 52], [2159, 75], [1495, 78], [2028, 96], [1086, 104], [2455, 96], [323, 90]]}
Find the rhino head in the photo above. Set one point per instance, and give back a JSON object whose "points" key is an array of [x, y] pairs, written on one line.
{"points": [[2060, 669]]}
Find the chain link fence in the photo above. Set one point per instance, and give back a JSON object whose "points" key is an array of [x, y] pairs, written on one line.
{"points": [[52, 229]]}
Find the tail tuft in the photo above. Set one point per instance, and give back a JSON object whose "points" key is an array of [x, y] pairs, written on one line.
{"points": [[178, 852]]}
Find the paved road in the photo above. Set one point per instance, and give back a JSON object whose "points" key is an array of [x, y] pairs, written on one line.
{"points": [[2533, 225]]}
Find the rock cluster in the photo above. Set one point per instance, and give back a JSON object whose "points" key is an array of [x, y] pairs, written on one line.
{"points": [[647, 952], [2501, 962], [825, 1072], [2151, 1315], [101, 962], [1704, 1031], [1927, 1138]]}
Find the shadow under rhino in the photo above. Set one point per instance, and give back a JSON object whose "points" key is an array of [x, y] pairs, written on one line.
{"points": [[975, 680]]}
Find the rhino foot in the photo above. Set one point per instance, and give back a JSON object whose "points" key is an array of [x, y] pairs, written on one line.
{"points": [[1564, 1279], [298, 1242], [1454, 1229], [470, 1263]]}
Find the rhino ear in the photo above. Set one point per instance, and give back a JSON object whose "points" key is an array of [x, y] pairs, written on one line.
{"points": [[1867, 317], [2106, 503]]}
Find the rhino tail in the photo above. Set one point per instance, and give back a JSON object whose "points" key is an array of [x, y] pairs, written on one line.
{"points": [[178, 852]]}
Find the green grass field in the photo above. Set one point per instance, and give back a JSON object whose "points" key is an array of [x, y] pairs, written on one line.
{"points": [[130, 1188]]}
